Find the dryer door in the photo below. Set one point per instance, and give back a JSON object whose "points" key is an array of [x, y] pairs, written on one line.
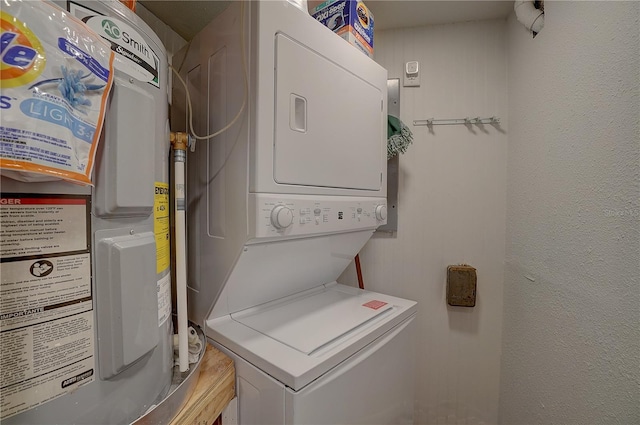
{"points": [[328, 122]]}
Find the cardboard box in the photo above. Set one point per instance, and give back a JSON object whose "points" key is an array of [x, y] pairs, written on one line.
{"points": [[350, 19]]}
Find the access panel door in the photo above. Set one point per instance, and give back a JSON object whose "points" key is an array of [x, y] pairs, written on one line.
{"points": [[328, 122]]}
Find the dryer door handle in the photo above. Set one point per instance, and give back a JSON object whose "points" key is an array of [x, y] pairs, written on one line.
{"points": [[298, 113]]}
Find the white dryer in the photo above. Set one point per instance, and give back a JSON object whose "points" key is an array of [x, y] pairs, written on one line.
{"points": [[278, 206]]}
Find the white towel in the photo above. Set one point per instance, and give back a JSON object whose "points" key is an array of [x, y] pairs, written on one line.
{"points": [[195, 347]]}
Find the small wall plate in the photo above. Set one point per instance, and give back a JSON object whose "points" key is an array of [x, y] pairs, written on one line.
{"points": [[461, 286]]}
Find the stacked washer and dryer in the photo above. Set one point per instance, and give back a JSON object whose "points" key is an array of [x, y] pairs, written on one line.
{"points": [[278, 206]]}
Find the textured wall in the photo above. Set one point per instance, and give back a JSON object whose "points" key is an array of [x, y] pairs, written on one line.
{"points": [[452, 209], [571, 336]]}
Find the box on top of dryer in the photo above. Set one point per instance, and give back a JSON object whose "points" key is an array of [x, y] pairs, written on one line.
{"points": [[350, 19]]}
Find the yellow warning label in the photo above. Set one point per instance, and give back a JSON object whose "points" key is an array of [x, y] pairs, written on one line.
{"points": [[161, 226]]}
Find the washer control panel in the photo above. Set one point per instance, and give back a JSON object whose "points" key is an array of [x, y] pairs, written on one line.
{"points": [[298, 215]]}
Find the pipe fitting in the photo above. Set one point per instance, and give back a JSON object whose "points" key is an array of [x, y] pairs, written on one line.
{"points": [[179, 141], [529, 16]]}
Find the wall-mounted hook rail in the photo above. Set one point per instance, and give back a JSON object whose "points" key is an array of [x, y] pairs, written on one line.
{"points": [[457, 121]]}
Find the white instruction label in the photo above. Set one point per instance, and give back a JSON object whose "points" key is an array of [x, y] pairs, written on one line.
{"points": [[46, 306], [42, 225], [39, 290], [164, 299]]}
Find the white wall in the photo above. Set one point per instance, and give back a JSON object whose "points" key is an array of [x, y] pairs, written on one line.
{"points": [[571, 338], [171, 40], [452, 209]]}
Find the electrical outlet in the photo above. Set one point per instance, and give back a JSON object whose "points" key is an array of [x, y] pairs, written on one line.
{"points": [[411, 74]]}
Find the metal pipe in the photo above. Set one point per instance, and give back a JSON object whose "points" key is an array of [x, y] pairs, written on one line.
{"points": [[457, 121]]}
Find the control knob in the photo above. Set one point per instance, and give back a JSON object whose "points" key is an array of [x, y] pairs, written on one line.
{"points": [[381, 212], [281, 217]]}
